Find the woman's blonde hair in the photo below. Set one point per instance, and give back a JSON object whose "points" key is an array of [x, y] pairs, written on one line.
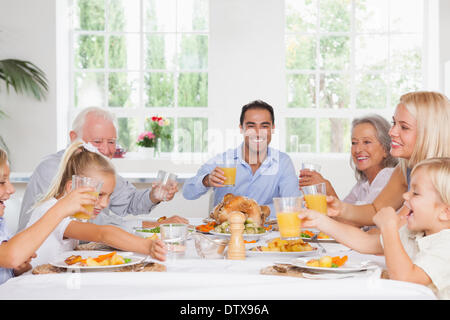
{"points": [[3, 160], [432, 113], [438, 169], [77, 160]]}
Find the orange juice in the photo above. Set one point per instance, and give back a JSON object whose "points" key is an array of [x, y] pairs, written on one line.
{"points": [[230, 174], [88, 207], [289, 224], [317, 202]]}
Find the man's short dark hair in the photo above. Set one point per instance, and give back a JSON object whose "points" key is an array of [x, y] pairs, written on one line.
{"points": [[257, 104]]}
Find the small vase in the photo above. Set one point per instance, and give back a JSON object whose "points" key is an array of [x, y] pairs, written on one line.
{"points": [[147, 152]]}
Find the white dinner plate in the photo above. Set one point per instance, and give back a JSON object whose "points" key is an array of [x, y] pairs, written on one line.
{"points": [[349, 266], [280, 254], [246, 236], [58, 261]]}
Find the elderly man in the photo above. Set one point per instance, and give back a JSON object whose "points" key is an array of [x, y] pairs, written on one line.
{"points": [[97, 127], [262, 173]]}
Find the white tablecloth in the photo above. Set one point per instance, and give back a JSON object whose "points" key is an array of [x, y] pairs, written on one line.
{"points": [[194, 278]]}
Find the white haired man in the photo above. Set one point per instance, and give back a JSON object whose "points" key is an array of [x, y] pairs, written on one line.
{"points": [[98, 127]]}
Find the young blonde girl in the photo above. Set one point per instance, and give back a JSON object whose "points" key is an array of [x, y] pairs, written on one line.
{"points": [[78, 160], [16, 252], [418, 251]]}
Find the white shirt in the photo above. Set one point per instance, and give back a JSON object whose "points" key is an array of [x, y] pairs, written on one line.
{"points": [[364, 193], [432, 255], [55, 242]]}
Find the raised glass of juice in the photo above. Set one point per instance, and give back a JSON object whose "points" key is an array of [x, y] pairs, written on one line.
{"points": [[79, 181], [316, 197], [229, 171], [287, 211]]}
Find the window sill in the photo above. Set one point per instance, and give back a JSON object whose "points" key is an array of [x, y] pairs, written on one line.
{"points": [[133, 177]]}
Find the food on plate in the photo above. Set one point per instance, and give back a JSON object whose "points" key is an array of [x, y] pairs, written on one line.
{"points": [[206, 227], [323, 236], [327, 262], [250, 227], [73, 259], [153, 224], [309, 234], [278, 244], [247, 206], [109, 259], [161, 219], [153, 230]]}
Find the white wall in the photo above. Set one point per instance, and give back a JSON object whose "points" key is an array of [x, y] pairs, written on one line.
{"points": [[27, 31], [444, 52]]}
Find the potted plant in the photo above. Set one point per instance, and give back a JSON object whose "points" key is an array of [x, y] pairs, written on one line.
{"points": [[23, 77]]}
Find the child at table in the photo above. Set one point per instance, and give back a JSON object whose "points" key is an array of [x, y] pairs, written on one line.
{"points": [[83, 160], [16, 252], [418, 251]]}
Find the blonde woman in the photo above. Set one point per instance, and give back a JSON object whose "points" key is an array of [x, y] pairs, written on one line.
{"points": [[78, 160], [420, 130]]}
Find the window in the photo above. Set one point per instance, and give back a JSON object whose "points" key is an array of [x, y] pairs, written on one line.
{"points": [[144, 58], [346, 58]]}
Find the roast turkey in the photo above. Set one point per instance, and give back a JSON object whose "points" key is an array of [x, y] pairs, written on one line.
{"points": [[247, 206]]}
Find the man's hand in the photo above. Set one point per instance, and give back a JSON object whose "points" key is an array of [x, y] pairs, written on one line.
{"points": [[163, 193], [215, 179]]}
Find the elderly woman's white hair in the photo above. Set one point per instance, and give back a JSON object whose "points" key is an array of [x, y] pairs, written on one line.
{"points": [[80, 119], [381, 126]]}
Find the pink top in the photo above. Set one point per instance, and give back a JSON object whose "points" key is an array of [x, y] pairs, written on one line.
{"points": [[364, 193]]}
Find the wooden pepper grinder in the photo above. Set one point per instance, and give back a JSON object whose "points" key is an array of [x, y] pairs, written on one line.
{"points": [[236, 247]]}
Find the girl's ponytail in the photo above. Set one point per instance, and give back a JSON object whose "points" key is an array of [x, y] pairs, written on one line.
{"points": [[77, 159]]}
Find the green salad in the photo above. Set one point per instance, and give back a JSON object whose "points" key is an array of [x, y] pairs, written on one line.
{"points": [[154, 230]]}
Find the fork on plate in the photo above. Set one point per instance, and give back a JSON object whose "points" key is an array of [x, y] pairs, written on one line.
{"points": [[314, 239]]}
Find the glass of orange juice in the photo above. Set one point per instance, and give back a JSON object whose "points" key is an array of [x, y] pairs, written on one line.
{"points": [[229, 171], [316, 197], [287, 211], [79, 181]]}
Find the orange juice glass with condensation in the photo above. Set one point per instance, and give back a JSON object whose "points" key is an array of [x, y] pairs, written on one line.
{"points": [[77, 182], [287, 211], [230, 175], [315, 197]]}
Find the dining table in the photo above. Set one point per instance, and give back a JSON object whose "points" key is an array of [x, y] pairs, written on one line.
{"points": [[192, 277]]}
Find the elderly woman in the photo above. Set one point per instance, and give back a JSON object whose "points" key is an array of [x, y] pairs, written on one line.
{"points": [[420, 130], [370, 158]]}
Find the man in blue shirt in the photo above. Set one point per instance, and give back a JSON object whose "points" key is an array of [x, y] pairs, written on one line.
{"points": [[262, 173]]}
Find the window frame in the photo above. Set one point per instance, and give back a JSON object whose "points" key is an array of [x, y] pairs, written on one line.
{"points": [[351, 112], [140, 112]]}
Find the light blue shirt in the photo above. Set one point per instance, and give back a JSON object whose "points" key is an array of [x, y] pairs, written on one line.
{"points": [[5, 274], [275, 177]]}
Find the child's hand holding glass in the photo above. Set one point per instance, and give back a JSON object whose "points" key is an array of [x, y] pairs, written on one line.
{"points": [[157, 249], [76, 201]]}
